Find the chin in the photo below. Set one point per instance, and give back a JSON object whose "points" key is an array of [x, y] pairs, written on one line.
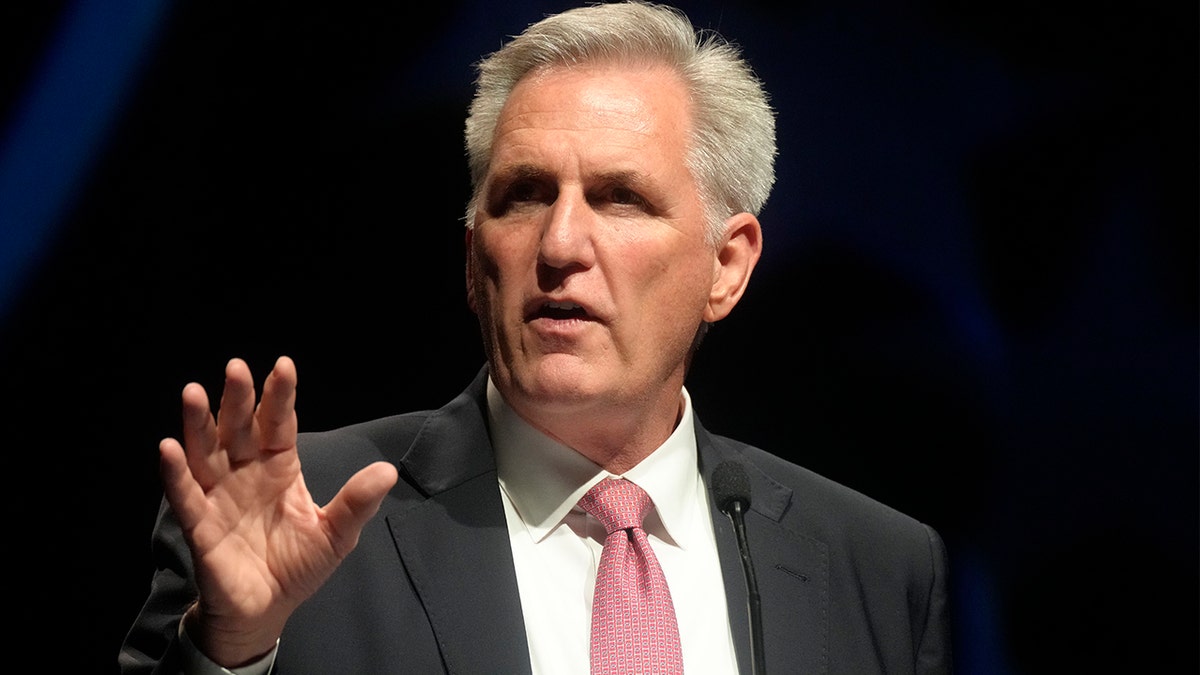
{"points": [[558, 382]]}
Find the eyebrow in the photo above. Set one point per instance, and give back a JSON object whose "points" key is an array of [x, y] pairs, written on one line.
{"points": [[518, 172], [630, 177], [524, 170], [634, 179]]}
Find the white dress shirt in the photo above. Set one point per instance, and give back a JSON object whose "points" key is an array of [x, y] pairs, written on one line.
{"points": [[556, 545]]}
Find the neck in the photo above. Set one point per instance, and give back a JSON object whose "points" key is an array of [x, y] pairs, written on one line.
{"points": [[616, 440]]}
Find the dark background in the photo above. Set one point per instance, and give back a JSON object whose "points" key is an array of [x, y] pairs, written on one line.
{"points": [[978, 301]]}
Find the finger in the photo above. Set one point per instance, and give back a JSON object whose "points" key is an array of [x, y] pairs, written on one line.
{"points": [[356, 503], [277, 411], [200, 437], [235, 420], [183, 492]]}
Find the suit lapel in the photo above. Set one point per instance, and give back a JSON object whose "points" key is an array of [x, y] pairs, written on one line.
{"points": [[455, 543], [792, 571], [455, 546]]}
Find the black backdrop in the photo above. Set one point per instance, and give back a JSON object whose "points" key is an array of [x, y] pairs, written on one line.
{"points": [[978, 299]]}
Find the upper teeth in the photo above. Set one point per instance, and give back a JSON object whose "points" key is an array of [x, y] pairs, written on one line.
{"points": [[562, 305]]}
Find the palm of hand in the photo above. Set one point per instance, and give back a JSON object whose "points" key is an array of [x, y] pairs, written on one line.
{"points": [[262, 540], [261, 546]]}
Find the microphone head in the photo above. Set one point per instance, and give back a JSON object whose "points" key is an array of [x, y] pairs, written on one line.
{"points": [[730, 483]]}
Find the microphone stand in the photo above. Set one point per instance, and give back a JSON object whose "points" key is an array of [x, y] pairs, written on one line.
{"points": [[753, 602]]}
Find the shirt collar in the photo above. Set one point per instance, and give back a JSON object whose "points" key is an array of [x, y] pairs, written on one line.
{"points": [[545, 479]]}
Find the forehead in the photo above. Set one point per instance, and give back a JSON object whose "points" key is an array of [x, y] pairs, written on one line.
{"points": [[608, 104]]}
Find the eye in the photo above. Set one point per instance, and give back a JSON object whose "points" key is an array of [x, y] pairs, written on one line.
{"points": [[522, 191], [519, 194], [625, 196]]}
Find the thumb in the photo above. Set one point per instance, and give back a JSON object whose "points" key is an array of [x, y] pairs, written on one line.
{"points": [[356, 503]]}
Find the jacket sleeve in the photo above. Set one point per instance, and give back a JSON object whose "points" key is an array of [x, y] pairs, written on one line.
{"points": [[933, 644], [152, 644]]}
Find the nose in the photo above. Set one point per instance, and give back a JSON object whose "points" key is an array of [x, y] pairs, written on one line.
{"points": [[567, 236]]}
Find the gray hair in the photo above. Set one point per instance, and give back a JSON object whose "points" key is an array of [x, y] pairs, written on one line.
{"points": [[732, 153]]}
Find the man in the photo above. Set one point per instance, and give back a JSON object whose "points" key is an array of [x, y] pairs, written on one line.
{"points": [[617, 163]]}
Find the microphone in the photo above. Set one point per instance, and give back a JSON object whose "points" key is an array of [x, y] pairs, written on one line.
{"points": [[731, 491]]}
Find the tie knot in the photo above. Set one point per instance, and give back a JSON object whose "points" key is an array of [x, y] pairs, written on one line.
{"points": [[617, 503]]}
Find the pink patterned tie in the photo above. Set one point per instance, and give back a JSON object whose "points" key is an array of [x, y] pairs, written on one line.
{"points": [[633, 621]]}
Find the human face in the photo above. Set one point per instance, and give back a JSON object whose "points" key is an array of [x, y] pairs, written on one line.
{"points": [[588, 263]]}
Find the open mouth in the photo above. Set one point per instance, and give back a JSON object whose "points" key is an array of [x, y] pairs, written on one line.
{"points": [[559, 311]]}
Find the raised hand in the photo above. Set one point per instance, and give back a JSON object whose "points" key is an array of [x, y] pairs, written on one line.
{"points": [[259, 543]]}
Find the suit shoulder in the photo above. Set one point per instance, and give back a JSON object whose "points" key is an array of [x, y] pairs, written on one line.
{"points": [[831, 511], [330, 457], [383, 434]]}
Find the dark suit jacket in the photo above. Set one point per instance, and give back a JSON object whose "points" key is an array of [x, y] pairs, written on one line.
{"points": [[847, 585]]}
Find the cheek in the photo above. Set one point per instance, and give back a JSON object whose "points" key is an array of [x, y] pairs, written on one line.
{"points": [[498, 265], [680, 280], [671, 294], [483, 271], [486, 256]]}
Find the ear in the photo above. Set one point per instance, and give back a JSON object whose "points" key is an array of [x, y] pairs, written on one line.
{"points": [[469, 237], [736, 256]]}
